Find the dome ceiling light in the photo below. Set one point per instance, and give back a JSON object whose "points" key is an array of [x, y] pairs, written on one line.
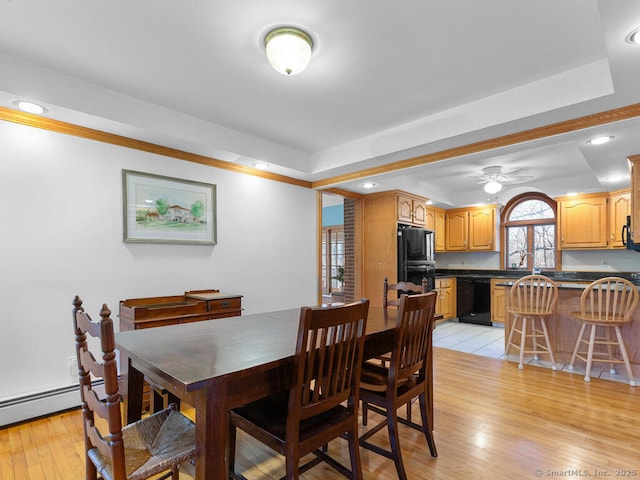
{"points": [[288, 49]]}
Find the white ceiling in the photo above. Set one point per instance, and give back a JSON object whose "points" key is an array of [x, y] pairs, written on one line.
{"points": [[387, 81]]}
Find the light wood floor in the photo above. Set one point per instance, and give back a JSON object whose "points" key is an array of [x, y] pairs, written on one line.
{"points": [[492, 421]]}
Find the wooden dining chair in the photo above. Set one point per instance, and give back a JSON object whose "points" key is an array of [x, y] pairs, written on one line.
{"points": [[384, 389], [400, 287], [403, 287], [322, 403], [532, 299], [605, 305], [157, 444]]}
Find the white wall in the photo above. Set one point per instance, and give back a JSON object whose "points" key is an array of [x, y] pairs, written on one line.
{"points": [[61, 235]]}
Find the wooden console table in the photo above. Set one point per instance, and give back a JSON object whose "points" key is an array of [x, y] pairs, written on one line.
{"points": [[193, 306]]}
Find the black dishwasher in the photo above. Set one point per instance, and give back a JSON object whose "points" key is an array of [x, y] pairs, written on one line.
{"points": [[473, 301]]}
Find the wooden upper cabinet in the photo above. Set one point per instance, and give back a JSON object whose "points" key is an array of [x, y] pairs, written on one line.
{"points": [[430, 218], [435, 221], [583, 221], [419, 213], [456, 230], [405, 209], [634, 160], [482, 229], [619, 208], [412, 210], [440, 231], [470, 229]]}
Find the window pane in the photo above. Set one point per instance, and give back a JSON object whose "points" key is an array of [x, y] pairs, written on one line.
{"points": [[337, 258], [544, 237], [516, 243], [531, 210], [325, 286]]}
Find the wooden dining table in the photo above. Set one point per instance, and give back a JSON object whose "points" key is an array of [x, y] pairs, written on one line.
{"points": [[217, 365]]}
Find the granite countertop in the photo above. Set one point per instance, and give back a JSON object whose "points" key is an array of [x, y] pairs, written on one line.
{"points": [[555, 276], [562, 286]]}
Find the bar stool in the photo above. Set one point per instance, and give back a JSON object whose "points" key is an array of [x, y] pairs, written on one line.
{"points": [[532, 298], [607, 303]]}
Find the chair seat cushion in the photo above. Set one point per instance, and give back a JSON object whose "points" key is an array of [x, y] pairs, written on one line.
{"points": [[152, 445], [270, 415], [374, 378]]}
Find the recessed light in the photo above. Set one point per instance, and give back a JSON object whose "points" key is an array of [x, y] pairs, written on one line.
{"points": [[261, 165], [368, 185], [634, 36], [600, 140], [30, 107], [572, 194]]}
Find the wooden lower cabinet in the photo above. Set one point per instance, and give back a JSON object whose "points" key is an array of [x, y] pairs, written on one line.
{"points": [[498, 309], [446, 302]]}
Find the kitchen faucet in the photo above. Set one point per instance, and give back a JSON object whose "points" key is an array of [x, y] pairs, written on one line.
{"points": [[524, 255]]}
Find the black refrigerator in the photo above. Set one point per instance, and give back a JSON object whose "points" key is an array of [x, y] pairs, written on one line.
{"points": [[416, 255]]}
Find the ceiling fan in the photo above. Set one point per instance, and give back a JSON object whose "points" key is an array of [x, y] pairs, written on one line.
{"points": [[492, 177]]}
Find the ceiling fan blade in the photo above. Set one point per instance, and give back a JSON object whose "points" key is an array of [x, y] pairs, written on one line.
{"points": [[507, 178]]}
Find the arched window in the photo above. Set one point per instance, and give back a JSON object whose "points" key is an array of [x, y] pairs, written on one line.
{"points": [[529, 225]]}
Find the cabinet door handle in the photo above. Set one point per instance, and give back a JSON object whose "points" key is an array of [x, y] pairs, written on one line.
{"points": [[225, 304]]}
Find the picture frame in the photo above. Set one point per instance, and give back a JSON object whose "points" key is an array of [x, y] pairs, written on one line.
{"points": [[159, 209]]}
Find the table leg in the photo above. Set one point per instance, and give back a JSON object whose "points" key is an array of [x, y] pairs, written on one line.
{"points": [[429, 374], [212, 433], [132, 387]]}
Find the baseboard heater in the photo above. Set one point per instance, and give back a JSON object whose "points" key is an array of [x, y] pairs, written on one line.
{"points": [[36, 405]]}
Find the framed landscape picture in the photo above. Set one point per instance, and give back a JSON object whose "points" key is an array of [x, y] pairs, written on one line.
{"points": [[161, 209]]}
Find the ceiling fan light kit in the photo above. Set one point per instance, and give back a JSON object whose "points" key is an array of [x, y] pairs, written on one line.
{"points": [[492, 177], [492, 186]]}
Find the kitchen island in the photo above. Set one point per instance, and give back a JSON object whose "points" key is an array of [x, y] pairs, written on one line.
{"points": [[564, 328]]}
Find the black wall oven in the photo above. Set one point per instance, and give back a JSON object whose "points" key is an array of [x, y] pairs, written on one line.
{"points": [[416, 255]]}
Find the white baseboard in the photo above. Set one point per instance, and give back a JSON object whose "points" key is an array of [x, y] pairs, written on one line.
{"points": [[37, 405]]}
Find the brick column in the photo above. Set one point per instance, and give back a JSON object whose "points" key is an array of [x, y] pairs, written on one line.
{"points": [[349, 249]]}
